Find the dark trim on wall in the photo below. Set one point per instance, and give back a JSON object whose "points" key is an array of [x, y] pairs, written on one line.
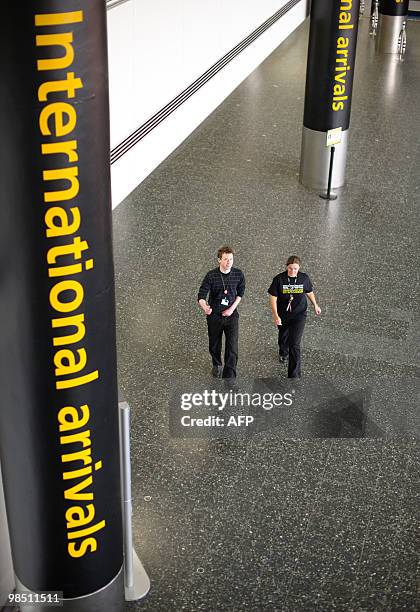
{"points": [[110, 4], [131, 140]]}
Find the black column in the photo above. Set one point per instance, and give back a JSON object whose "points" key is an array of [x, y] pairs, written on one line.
{"points": [[392, 17], [329, 86], [58, 420], [393, 7]]}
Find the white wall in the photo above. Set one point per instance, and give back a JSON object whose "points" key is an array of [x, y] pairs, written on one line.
{"points": [[159, 47]]}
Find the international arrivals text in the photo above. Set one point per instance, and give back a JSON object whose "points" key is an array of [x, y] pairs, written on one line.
{"points": [[63, 217]]}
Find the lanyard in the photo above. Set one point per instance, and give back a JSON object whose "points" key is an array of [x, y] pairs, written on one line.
{"points": [[289, 304], [225, 287]]}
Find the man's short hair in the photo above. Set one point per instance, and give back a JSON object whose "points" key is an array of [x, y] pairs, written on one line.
{"points": [[224, 249]]}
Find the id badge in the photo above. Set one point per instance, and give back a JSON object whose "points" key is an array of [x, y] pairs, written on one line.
{"points": [[225, 302]]}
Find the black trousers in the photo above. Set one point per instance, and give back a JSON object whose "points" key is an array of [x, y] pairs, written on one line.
{"points": [[217, 325], [290, 335]]}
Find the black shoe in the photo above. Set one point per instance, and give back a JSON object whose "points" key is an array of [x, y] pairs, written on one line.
{"points": [[216, 371], [283, 358], [230, 383]]}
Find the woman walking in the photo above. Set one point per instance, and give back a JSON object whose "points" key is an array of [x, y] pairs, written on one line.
{"points": [[288, 304]]}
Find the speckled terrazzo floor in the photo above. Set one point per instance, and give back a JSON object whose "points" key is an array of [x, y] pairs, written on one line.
{"points": [[288, 518]]}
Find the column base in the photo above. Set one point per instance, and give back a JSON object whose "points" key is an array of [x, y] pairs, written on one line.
{"points": [[109, 598], [389, 29], [315, 160]]}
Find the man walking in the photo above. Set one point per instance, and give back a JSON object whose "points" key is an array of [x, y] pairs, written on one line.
{"points": [[224, 288]]}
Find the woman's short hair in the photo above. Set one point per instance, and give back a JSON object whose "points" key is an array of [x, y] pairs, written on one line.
{"points": [[293, 259]]}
